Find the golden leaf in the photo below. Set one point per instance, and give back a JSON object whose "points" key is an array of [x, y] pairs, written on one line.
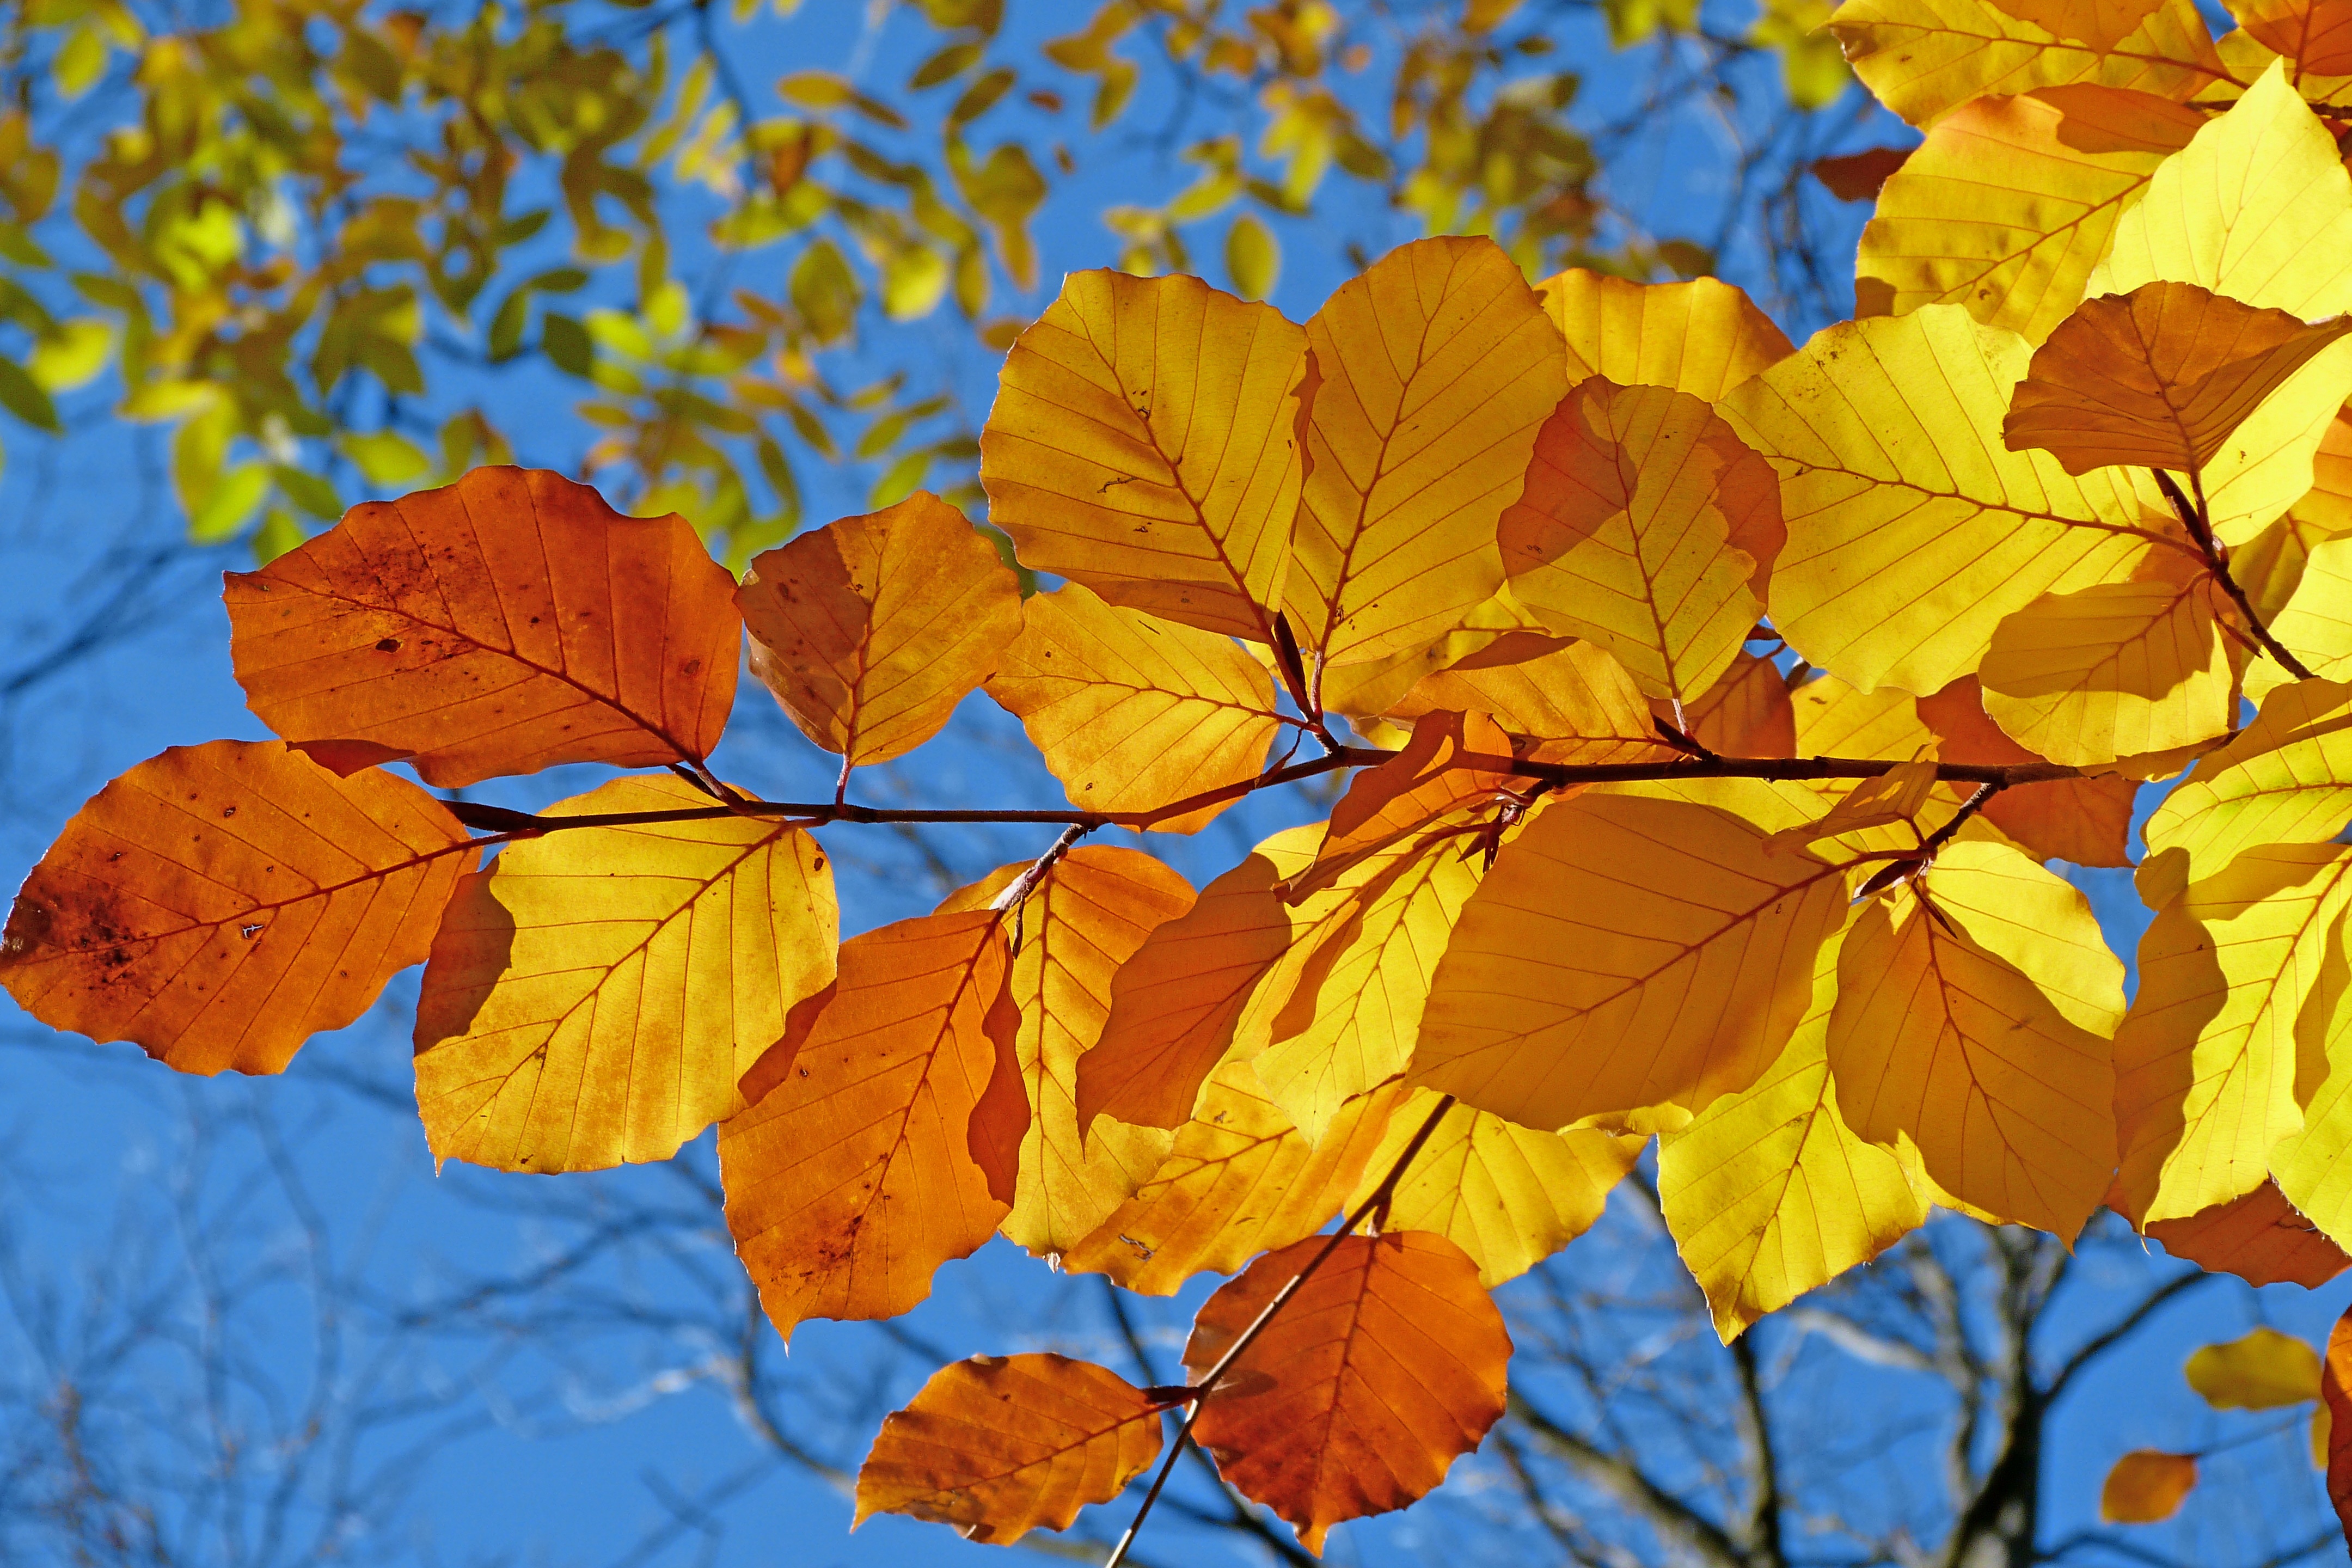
{"points": [[218, 905], [1077, 925], [1434, 370], [504, 623], [1703, 337], [885, 1127], [999, 1445], [2316, 624], [1144, 444], [2286, 779], [1387, 1367], [2146, 1486], [1574, 702], [1747, 713], [2096, 24], [2087, 821], [871, 629], [2258, 1237], [2262, 1370], [594, 996]]}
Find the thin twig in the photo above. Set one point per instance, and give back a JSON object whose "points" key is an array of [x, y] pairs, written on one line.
{"points": [[2194, 518]]}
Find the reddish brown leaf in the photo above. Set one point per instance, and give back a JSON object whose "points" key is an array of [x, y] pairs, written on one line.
{"points": [[2087, 821], [2258, 1237], [219, 904], [1385, 1367], [1856, 176], [504, 623], [2335, 1395]]}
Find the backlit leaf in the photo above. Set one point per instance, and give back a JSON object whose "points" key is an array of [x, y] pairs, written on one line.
{"points": [[594, 996], [1433, 371], [999, 1445], [1143, 443], [508, 623], [870, 630], [1911, 534], [2258, 1237], [1703, 337], [1572, 700], [1769, 1194], [1627, 961], [1746, 713], [1631, 528], [1386, 1367], [2286, 779], [218, 905], [1973, 1024], [2316, 624], [1131, 713], [2262, 1370], [885, 1127], [1083, 920], [2146, 1486], [2099, 24], [2087, 821], [2336, 1399]]}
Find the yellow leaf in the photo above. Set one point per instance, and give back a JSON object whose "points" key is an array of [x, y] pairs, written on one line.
{"points": [[1088, 915], [2328, 504], [2146, 1486], [1240, 1178], [1175, 1002], [1911, 534], [1407, 793], [1974, 1028], [2260, 1238], [2087, 821], [2257, 206], [2206, 1062], [1434, 370], [2259, 1371], [1143, 443], [2115, 670], [870, 630], [1896, 795], [2311, 33], [2097, 24], [1509, 1196], [1769, 1194], [2286, 779], [999, 1445], [594, 996], [1627, 961], [1833, 720], [1571, 701], [1132, 712], [1625, 532], [1921, 57], [218, 905], [2311, 1166], [2316, 624], [1703, 337], [885, 1127], [2010, 203]]}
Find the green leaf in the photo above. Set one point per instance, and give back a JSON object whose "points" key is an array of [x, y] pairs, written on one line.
{"points": [[385, 457], [81, 61], [224, 513], [1252, 259], [824, 291], [567, 345], [901, 480], [308, 491], [950, 62], [21, 395], [278, 535], [506, 327], [73, 356]]}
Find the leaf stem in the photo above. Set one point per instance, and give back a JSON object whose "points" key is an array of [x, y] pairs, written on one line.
{"points": [[1200, 1392], [2195, 518]]}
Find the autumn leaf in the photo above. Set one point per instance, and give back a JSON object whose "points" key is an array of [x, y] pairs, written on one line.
{"points": [[2285, 779], [218, 905], [1566, 996], [1404, 795], [1643, 523], [1508, 1195], [885, 1127], [2206, 1063], [1703, 337], [1972, 1022], [2257, 206], [1144, 445], [2258, 1237], [1132, 712], [2087, 820], [1239, 1179], [1386, 1367], [999, 1445], [2336, 1398], [1897, 795], [2317, 623], [1077, 925], [2261, 1369], [594, 996], [870, 630], [2096, 24], [2146, 1486], [1433, 371], [504, 623], [1746, 713], [1910, 535], [2010, 201], [1921, 57], [1572, 702], [2315, 34], [1768, 1193]]}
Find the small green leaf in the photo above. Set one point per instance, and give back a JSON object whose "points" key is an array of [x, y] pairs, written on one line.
{"points": [[385, 457], [224, 513], [901, 480], [278, 535], [21, 395], [308, 491], [1252, 259], [81, 61], [567, 345], [824, 291], [950, 62]]}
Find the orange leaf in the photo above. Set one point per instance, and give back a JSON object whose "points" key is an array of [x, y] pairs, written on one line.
{"points": [[1385, 1367], [1857, 176], [2335, 1395], [870, 630], [1240, 1178], [2101, 24], [1408, 792], [1703, 337], [1747, 713], [504, 623], [1175, 1002], [999, 1445], [2258, 1237], [1435, 369], [884, 1128], [1144, 443], [2146, 1486], [2315, 34], [1083, 920], [2158, 378], [596, 995], [220, 904], [1572, 700], [2087, 821]]}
